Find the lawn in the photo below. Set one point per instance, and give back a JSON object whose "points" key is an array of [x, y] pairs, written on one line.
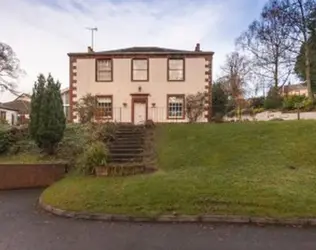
{"points": [[262, 169]]}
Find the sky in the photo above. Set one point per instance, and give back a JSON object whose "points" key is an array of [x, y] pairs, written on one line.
{"points": [[42, 32]]}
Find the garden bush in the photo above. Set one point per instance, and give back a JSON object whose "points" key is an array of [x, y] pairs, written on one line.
{"points": [[76, 137], [231, 113], [247, 111], [291, 102], [217, 118], [4, 141], [104, 132], [95, 154], [273, 100], [257, 102], [308, 105]]}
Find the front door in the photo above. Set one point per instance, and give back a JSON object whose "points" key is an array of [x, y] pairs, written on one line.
{"points": [[139, 112]]}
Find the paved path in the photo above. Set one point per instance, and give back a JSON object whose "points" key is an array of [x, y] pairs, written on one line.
{"points": [[23, 227]]}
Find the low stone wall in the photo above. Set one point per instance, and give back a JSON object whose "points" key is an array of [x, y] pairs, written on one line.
{"points": [[16, 176], [269, 115]]}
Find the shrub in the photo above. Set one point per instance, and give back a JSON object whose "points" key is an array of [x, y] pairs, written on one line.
{"points": [[247, 111], [95, 154], [231, 113], [4, 141], [291, 102], [4, 121], [257, 102], [308, 105], [273, 100], [219, 99], [73, 143], [218, 118], [87, 108], [104, 132], [195, 106], [78, 136]]}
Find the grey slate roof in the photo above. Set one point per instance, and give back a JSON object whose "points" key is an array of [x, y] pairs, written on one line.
{"points": [[142, 50], [2, 106], [21, 106]]}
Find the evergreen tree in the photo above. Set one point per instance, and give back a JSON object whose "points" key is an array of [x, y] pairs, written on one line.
{"points": [[300, 67], [219, 99], [49, 122], [36, 103]]}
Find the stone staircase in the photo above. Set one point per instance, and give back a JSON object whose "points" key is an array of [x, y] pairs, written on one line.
{"points": [[128, 146]]}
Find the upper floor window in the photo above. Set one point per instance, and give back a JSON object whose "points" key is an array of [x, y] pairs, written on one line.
{"points": [[176, 69], [140, 70], [104, 70], [104, 107], [175, 107]]}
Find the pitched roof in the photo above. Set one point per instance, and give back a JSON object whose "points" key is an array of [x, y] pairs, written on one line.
{"points": [[144, 50], [3, 106], [23, 107]]}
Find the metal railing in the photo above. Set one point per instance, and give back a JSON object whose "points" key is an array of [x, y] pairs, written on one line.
{"points": [[124, 114]]}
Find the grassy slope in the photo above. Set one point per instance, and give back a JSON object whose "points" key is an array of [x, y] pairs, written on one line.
{"points": [[218, 169]]}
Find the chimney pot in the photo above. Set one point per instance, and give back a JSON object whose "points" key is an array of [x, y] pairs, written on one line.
{"points": [[90, 50], [197, 47]]}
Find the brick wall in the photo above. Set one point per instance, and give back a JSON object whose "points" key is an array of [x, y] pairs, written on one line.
{"points": [[15, 176]]}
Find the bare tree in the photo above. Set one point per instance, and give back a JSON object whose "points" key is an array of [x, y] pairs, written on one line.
{"points": [[268, 41], [87, 108], [299, 15], [195, 106], [236, 74], [9, 68]]}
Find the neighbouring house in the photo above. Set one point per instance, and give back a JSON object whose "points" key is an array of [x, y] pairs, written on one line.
{"points": [[23, 105], [136, 84], [8, 115], [295, 89], [65, 99]]}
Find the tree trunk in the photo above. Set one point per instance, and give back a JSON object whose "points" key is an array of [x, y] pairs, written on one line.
{"points": [[276, 74], [308, 72]]}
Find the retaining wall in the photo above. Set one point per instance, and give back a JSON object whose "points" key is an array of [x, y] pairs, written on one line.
{"points": [[17, 176]]}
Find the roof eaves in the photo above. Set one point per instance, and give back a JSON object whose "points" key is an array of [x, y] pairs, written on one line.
{"points": [[8, 108], [202, 53]]}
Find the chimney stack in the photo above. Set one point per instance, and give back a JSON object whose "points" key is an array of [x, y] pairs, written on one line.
{"points": [[197, 47], [90, 50]]}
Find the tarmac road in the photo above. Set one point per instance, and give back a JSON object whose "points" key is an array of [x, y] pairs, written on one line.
{"points": [[24, 227]]}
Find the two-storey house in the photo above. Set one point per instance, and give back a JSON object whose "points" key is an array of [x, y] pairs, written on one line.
{"points": [[140, 83]]}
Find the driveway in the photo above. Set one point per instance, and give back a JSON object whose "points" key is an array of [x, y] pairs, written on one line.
{"points": [[23, 227]]}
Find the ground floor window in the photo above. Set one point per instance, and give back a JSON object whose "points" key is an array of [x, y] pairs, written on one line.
{"points": [[104, 107], [3, 115], [175, 107]]}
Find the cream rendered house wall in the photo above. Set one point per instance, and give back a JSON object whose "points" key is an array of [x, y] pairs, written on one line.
{"points": [[9, 115], [302, 92], [157, 87]]}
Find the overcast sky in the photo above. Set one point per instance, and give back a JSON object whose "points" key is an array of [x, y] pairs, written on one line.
{"points": [[42, 32]]}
